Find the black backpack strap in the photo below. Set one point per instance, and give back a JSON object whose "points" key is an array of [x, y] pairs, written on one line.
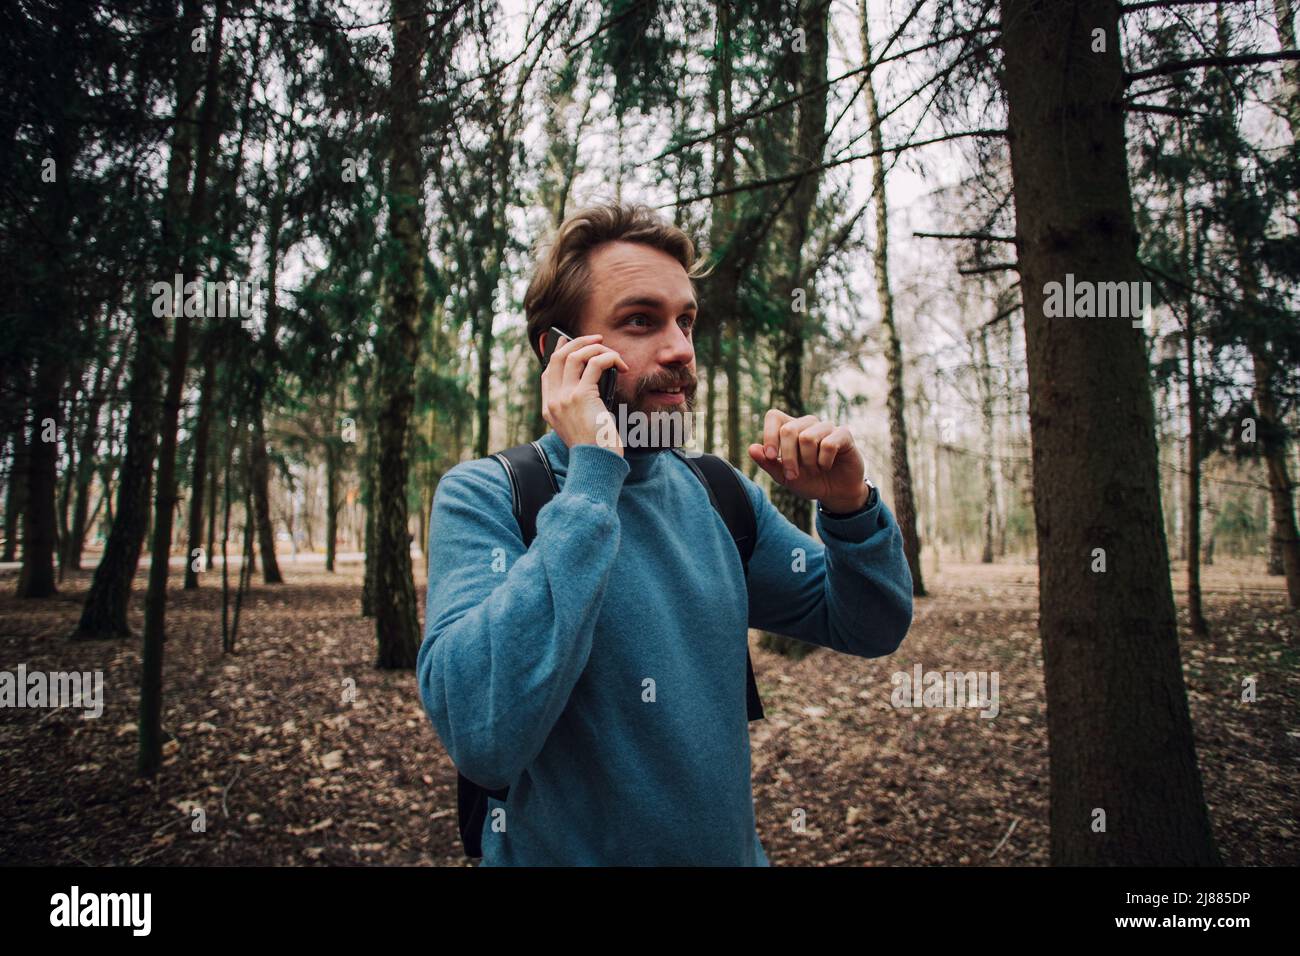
{"points": [[471, 812], [532, 485], [731, 500]]}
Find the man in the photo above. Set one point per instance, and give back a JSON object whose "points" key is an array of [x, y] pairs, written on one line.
{"points": [[600, 674]]}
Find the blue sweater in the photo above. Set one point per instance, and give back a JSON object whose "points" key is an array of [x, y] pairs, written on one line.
{"points": [[600, 674]]}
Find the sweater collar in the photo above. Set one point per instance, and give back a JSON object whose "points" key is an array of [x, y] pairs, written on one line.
{"points": [[643, 463]]}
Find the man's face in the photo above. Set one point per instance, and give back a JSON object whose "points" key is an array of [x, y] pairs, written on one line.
{"points": [[640, 299]]}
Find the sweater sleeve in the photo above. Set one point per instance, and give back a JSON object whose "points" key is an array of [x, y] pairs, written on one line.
{"points": [[851, 591], [508, 630]]}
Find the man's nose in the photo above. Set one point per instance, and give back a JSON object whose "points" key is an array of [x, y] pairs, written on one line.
{"points": [[678, 349]]}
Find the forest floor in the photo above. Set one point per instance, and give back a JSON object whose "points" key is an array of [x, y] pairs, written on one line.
{"points": [[266, 752]]}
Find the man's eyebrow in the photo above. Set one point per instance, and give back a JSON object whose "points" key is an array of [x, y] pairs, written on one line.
{"points": [[652, 302]]}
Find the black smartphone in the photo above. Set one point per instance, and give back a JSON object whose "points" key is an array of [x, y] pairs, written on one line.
{"points": [[608, 378]]}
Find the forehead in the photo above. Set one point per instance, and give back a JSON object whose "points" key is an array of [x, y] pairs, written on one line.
{"points": [[622, 269]]}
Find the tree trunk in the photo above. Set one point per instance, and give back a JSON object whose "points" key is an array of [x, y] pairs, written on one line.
{"points": [[1284, 542], [16, 492], [396, 615], [199, 472], [70, 554], [936, 496], [984, 376], [53, 305], [110, 377], [258, 459], [1194, 609], [1272, 438], [787, 383], [1207, 558], [904, 499], [731, 351], [106, 479], [487, 274], [225, 540], [723, 286], [258, 455], [155, 605], [208, 563], [1125, 786], [370, 502], [262, 503], [72, 429], [105, 612], [331, 504], [1285, 15]]}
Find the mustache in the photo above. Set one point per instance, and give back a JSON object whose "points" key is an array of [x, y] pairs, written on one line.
{"points": [[653, 385]]}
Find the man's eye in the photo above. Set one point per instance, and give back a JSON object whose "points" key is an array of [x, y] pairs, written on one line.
{"points": [[633, 318], [688, 321]]}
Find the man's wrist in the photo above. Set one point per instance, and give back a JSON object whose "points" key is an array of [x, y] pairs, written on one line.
{"points": [[845, 509]]}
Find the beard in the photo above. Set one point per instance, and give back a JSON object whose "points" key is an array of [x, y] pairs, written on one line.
{"points": [[668, 425], [645, 403]]}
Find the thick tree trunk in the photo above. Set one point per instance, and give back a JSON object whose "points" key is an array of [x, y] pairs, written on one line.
{"points": [[904, 503], [396, 615], [1125, 786], [53, 306]]}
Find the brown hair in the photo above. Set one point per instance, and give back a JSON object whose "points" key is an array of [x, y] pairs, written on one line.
{"points": [[558, 290]]}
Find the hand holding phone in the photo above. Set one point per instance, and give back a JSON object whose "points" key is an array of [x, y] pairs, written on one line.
{"points": [[579, 376], [608, 379]]}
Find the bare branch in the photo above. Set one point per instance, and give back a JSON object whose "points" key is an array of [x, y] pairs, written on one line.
{"points": [[1244, 59], [991, 267], [1133, 107], [979, 236], [1128, 8]]}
